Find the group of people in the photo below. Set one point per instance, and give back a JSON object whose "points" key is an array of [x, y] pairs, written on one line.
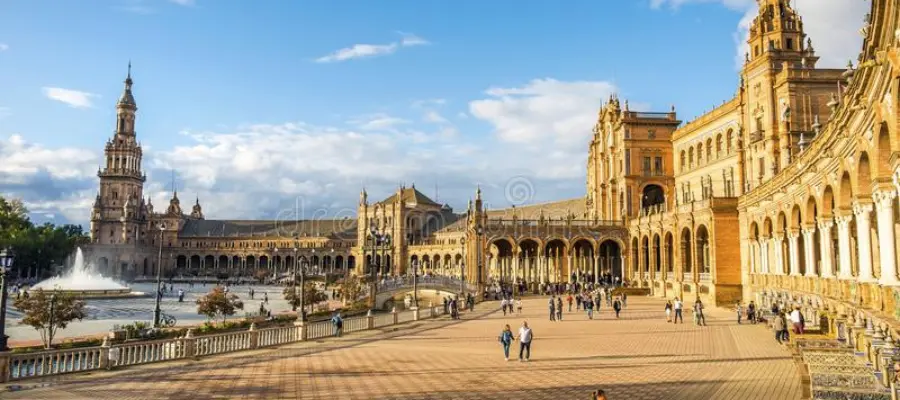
{"points": [[508, 305], [452, 306], [676, 307], [524, 337]]}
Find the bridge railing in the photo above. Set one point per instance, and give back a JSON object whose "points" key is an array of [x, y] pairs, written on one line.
{"points": [[19, 366], [405, 282]]}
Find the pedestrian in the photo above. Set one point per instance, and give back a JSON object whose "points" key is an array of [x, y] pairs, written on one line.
{"points": [[559, 308], [338, 324], [552, 306], [699, 318], [617, 306], [678, 307], [778, 325], [797, 320], [524, 338], [589, 307], [519, 305], [503, 305], [569, 300], [740, 311], [624, 300], [579, 301], [506, 338], [266, 297], [668, 311], [751, 312]]}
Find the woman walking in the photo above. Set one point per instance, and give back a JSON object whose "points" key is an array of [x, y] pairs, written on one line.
{"points": [[506, 338], [668, 311]]}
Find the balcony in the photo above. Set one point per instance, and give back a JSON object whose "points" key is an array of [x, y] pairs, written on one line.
{"points": [[650, 173], [688, 277], [705, 277], [757, 136]]}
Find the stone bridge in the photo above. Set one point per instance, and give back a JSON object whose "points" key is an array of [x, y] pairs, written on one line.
{"points": [[430, 288]]}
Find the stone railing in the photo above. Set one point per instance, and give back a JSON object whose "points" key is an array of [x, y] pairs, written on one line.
{"points": [[406, 282], [107, 356]]}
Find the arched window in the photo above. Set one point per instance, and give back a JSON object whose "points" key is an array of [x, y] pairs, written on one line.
{"points": [[700, 154], [682, 161], [691, 157], [728, 141], [708, 150], [719, 146]]}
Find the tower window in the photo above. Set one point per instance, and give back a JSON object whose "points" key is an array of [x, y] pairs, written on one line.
{"points": [[790, 44]]}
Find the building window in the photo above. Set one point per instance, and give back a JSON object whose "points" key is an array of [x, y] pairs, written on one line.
{"points": [[627, 162], [658, 165], [790, 44], [645, 167]]}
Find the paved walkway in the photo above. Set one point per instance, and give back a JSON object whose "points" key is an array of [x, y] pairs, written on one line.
{"points": [[637, 357]]}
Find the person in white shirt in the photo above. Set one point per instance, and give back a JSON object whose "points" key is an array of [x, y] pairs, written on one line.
{"points": [[679, 306], [503, 305], [797, 320], [524, 338], [519, 305]]}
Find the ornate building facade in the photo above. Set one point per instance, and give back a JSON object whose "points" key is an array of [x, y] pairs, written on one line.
{"points": [[789, 187]]}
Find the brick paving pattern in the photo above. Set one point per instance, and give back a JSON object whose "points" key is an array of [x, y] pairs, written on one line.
{"points": [[639, 356]]}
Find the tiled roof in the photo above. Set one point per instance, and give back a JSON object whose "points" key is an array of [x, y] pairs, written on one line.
{"points": [[411, 195], [337, 229]]}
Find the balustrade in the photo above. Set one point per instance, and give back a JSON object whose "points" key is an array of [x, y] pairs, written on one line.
{"points": [[53, 362]]}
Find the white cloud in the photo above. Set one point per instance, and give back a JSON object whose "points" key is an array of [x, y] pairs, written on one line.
{"points": [[4, 47], [74, 98], [545, 112], [378, 122], [434, 117], [832, 25], [371, 50], [51, 181]]}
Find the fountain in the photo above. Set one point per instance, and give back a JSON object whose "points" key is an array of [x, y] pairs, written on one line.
{"points": [[82, 282]]}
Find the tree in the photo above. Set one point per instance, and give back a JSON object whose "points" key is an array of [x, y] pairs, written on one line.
{"points": [[351, 288], [36, 247], [37, 314], [217, 303], [311, 295]]}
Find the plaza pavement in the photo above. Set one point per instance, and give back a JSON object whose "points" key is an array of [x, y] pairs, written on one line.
{"points": [[639, 356]]}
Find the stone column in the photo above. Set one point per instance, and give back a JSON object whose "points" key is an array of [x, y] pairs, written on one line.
{"points": [[863, 239], [596, 268], [777, 241], [793, 250], [568, 271], [763, 245], [809, 249], [825, 224], [843, 227], [884, 205]]}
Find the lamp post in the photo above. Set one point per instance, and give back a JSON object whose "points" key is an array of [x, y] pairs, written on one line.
{"points": [[462, 269], [294, 276], [6, 259], [479, 283], [277, 261], [303, 291], [415, 266], [157, 312]]}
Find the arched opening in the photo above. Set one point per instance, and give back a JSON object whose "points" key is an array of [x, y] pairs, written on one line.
{"points": [[145, 271], [209, 262], [557, 267], [351, 262], [195, 263], [529, 253], [657, 254], [635, 259], [670, 257], [499, 259], [687, 265], [652, 197], [264, 262], [610, 257], [583, 261], [703, 254], [181, 262], [645, 258]]}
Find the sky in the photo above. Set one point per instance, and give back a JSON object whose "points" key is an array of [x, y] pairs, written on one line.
{"points": [[265, 108]]}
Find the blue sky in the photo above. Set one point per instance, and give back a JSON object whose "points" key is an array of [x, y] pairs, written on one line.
{"points": [[251, 104]]}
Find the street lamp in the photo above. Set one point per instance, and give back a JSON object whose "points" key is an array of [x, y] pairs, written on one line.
{"points": [[157, 312], [462, 269], [6, 259], [478, 282], [294, 276], [379, 240], [415, 266], [277, 261], [303, 289]]}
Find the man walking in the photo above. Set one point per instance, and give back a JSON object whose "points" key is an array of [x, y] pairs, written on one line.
{"points": [[525, 336], [698, 313], [552, 306], [678, 309], [338, 323], [559, 308]]}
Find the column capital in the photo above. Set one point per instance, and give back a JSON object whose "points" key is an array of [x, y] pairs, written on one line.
{"points": [[843, 221], [778, 236], [809, 229], [793, 233], [862, 208], [825, 222], [884, 197]]}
